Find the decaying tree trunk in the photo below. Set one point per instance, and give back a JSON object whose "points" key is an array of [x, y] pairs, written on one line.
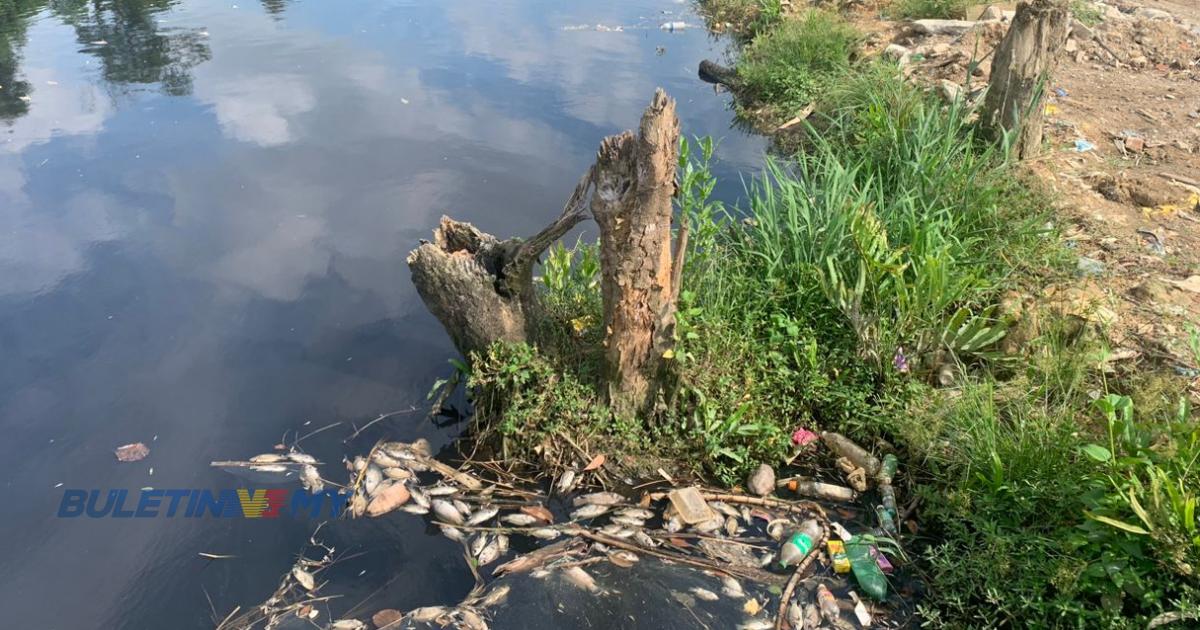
{"points": [[1021, 69], [635, 181], [481, 288]]}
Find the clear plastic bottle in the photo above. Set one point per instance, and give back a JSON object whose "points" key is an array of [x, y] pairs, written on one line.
{"points": [[800, 543]]}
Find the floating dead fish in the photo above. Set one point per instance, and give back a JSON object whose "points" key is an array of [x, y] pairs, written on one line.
{"points": [[599, 498], [302, 458], [711, 525], [566, 482], [629, 521], [775, 528], [310, 478], [545, 533], [372, 479], [733, 588], [420, 498], [413, 508], [641, 513], [384, 460], [441, 490], [427, 613], [359, 464], [358, 505], [268, 458], [398, 450], [347, 624], [502, 543], [724, 508], [704, 594], [399, 474], [520, 520], [731, 527], [539, 573], [420, 446], [495, 596], [623, 559], [453, 533], [270, 468], [304, 578], [483, 515], [610, 529], [539, 512], [132, 452], [580, 578], [388, 496], [462, 507], [625, 533], [644, 539], [673, 524], [469, 620], [756, 624], [447, 512], [489, 554], [478, 543], [589, 511]]}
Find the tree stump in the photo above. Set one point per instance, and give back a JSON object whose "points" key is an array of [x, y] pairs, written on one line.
{"points": [[1021, 70], [481, 288]]}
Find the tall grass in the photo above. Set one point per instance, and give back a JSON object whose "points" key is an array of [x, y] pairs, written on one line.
{"points": [[787, 65]]}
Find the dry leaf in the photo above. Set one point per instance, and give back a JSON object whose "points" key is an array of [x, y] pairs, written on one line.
{"points": [[132, 452], [387, 498], [304, 578], [752, 607], [596, 462], [539, 512]]}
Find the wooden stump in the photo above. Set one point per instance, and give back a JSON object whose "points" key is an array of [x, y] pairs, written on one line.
{"points": [[1021, 71], [481, 288]]}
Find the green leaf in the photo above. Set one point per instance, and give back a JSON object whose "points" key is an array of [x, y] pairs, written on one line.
{"points": [[1133, 529], [1097, 452]]}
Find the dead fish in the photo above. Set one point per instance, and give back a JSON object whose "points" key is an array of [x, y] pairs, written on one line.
{"points": [[358, 504], [566, 482], [589, 511], [483, 515], [347, 624], [704, 594], [398, 450], [488, 554], [673, 524], [641, 513], [502, 543], [599, 498], [447, 512], [453, 533], [399, 474], [747, 517], [775, 528], [733, 588], [302, 458], [441, 490], [270, 468], [372, 479], [629, 521], [545, 533], [723, 508], [419, 496], [731, 527], [624, 533], [539, 573], [468, 620], [359, 464], [812, 616], [304, 578], [756, 624], [610, 529], [268, 458], [427, 613], [495, 596], [413, 508], [644, 539], [462, 507], [478, 543], [310, 478], [795, 615], [711, 525], [420, 446], [623, 559], [580, 578], [384, 460], [520, 520]]}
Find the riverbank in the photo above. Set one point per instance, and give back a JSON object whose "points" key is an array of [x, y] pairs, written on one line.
{"points": [[902, 280]]}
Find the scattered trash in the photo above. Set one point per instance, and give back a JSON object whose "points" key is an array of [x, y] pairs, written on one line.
{"points": [[132, 452], [837, 555], [1060, 92], [860, 610], [673, 26], [1082, 146], [845, 447], [800, 543], [689, 504], [866, 571], [804, 437]]}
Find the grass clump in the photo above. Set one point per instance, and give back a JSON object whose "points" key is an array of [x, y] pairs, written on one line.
{"points": [[787, 65], [930, 9], [745, 18]]}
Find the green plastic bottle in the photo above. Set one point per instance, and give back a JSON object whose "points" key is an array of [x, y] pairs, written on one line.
{"points": [[799, 544], [870, 577]]}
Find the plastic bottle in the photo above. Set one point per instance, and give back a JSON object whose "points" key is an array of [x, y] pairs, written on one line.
{"points": [[870, 577], [828, 604], [886, 521], [800, 543], [845, 447], [887, 470]]}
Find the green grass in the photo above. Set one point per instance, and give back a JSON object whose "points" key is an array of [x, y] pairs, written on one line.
{"points": [[786, 66], [930, 9], [746, 18]]}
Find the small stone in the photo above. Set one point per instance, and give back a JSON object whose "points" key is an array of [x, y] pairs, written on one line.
{"points": [[949, 90], [1079, 30], [897, 53], [1090, 266], [1152, 14], [991, 13], [1071, 46], [388, 617], [762, 482], [1135, 144], [942, 27], [1138, 61]]}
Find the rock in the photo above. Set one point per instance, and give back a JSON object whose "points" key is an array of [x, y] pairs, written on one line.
{"points": [[1135, 144], [762, 482], [1082, 31], [1138, 61], [991, 13], [942, 27], [1071, 46], [387, 617], [950, 91], [1150, 291], [1090, 266], [1145, 195], [897, 53], [1152, 14]]}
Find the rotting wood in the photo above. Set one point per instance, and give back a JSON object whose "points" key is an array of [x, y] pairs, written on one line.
{"points": [[1021, 71]]}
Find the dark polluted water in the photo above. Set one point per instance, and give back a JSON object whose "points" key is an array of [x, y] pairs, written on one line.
{"points": [[204, 212]]}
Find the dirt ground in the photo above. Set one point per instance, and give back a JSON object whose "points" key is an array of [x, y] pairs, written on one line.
{"points": [[1122, 152]]}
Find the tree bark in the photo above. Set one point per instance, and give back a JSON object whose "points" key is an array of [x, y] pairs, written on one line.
{"points": [[635, 182], [1021, 70]]}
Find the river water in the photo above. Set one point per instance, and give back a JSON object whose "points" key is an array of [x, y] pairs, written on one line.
{"points": [[205, 208]]}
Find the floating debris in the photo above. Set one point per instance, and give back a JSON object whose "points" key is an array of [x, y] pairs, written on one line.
{"points": [[132, 452]]}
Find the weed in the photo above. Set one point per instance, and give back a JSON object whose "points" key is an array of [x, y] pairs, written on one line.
{"points": [[923, 9], [787, 65]]}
